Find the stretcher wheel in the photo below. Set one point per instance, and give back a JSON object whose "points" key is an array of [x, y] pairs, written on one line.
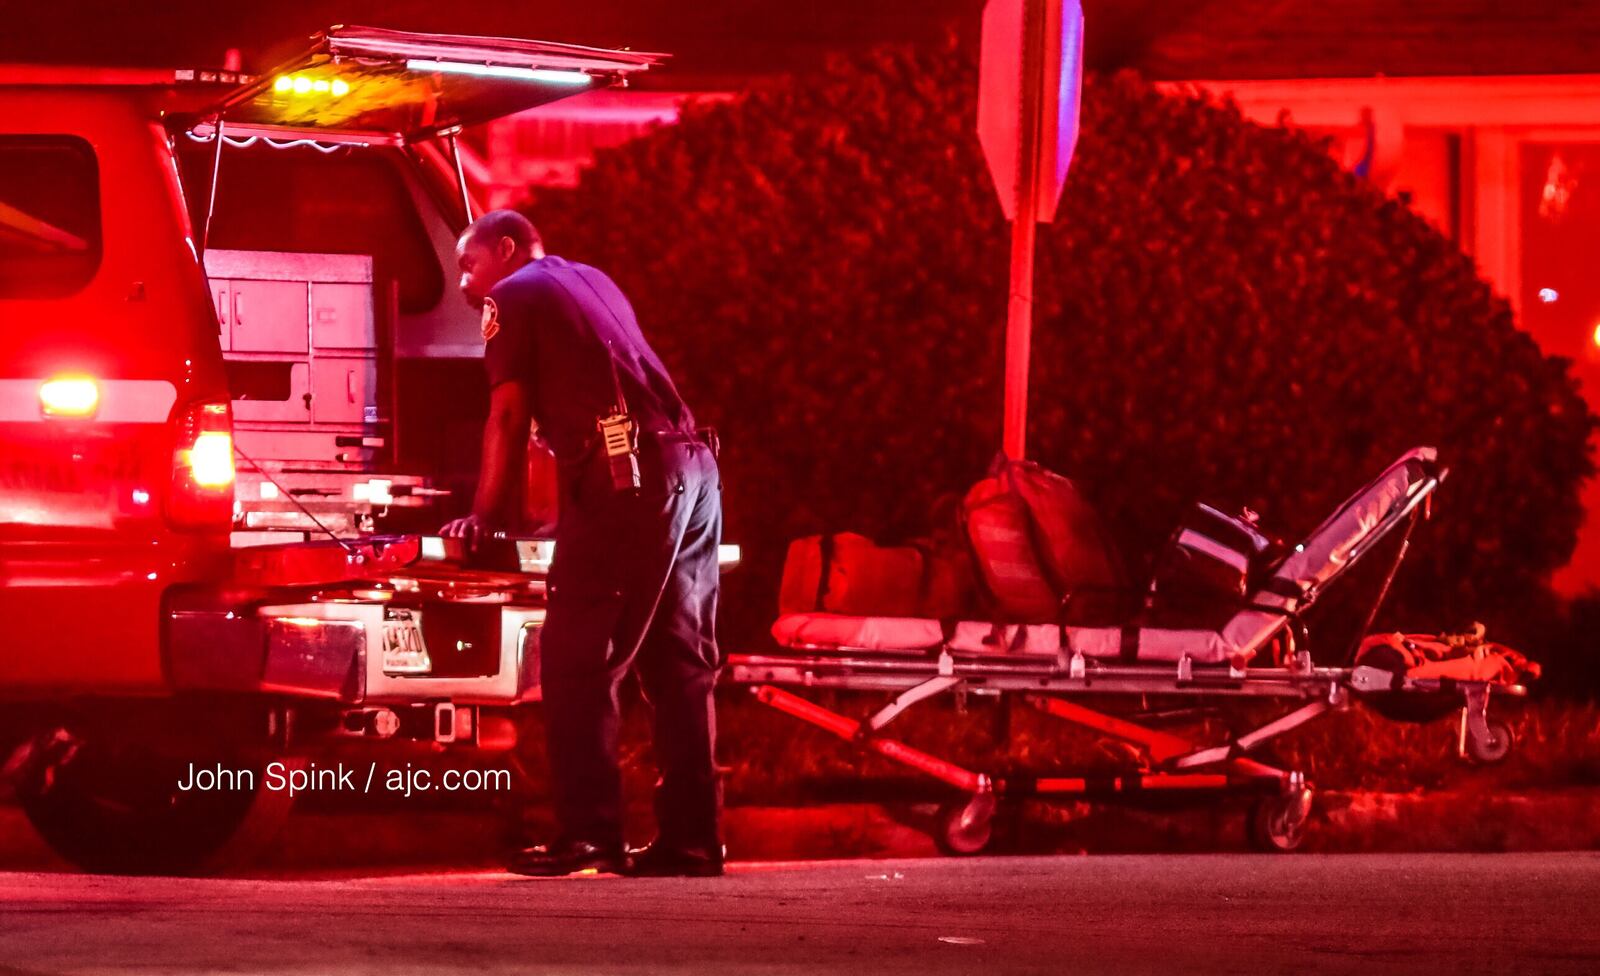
{"points": [[1494, 747], [1278, 823], [966, 827]]}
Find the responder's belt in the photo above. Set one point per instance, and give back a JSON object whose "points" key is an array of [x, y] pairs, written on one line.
{"points": [[700, 435]]}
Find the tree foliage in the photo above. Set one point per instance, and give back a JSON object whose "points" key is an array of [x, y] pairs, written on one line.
{"points": [[1223, 313]]}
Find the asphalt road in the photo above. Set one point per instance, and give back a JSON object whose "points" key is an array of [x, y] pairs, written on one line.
{"points": [[1228, 913]]}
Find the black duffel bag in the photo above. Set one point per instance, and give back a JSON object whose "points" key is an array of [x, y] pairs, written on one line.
{"points": [[1208, 568]]}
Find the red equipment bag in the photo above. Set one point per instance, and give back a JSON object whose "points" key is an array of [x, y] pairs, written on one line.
{"points": [[1038, 544]]}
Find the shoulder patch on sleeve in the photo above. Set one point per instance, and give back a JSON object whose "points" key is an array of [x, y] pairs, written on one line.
{"points": [[491, 319]]}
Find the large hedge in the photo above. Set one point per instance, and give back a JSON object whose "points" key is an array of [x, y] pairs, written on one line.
{"points": [[1223, 313]]}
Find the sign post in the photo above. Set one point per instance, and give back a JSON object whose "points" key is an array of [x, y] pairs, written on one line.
{"points": [[1029, 77]]}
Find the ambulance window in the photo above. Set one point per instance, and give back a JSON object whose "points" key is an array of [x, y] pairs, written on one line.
{"points": [[302, 200], [49, 216]]}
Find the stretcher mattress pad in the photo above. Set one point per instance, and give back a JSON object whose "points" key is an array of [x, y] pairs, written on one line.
{"points": [[915, 635]]}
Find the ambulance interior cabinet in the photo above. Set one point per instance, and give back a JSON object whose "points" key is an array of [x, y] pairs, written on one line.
{"points": [[299, 337]]}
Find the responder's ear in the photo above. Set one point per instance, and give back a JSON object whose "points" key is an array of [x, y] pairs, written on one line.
{"points": [[505, 248]]}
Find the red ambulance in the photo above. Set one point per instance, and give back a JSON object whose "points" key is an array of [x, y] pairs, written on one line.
{"points": [[228, 327]]}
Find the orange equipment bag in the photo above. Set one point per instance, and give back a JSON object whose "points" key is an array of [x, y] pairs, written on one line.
{"points": [[847, 573], [1463, 657]]}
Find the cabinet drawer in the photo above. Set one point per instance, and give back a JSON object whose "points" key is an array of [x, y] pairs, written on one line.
{"points": [[341, 316], [343, 389], [267, 316]]}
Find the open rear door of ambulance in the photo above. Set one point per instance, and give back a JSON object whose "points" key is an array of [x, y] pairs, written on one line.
{"points": [[408, 91], [395, 87]]}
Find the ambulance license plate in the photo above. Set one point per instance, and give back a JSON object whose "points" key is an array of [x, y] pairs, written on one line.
{"points": [[403, 650]]}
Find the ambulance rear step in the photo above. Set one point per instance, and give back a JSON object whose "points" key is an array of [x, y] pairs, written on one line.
{"points": [[360, 649]]}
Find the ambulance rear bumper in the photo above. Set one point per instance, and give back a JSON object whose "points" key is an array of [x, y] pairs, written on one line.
{"points": [[356, 652]]}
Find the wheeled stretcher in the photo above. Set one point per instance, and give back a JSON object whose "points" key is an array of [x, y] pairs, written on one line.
{"points": [[1260, 653]]}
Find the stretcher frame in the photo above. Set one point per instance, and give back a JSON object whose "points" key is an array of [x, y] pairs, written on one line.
{"points": [[1168, 763]]}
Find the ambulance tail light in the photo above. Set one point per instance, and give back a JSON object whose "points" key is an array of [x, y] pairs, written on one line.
{"points": [[202, 468]]}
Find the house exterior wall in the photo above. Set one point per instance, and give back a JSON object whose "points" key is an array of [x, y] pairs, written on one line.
{"points": [[1509, 167]]}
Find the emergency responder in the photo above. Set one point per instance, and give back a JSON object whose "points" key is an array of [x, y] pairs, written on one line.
{"points": [[634, 579]]}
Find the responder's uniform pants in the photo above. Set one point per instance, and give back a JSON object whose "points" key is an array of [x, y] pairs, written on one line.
{"points": [[634, 584]]}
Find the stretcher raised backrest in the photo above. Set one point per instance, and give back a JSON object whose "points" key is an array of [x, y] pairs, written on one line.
{"points": [[1363, 521]]}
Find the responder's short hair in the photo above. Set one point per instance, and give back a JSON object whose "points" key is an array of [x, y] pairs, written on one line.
{"points": [[505, 223]]}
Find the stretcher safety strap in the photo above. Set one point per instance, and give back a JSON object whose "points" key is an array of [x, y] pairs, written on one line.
{"points": [[1128, 647]]}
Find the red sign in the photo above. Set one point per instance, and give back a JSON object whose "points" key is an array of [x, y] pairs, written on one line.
{"points": [[1029, 77]]}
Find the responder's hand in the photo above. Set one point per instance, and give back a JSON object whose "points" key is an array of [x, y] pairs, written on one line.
{"points": [[471, 528]]}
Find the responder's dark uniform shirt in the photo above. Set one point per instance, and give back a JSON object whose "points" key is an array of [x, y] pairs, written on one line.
{"points": [[553, 324]]}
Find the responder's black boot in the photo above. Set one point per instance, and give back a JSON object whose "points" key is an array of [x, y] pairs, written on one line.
{"points": [[660, 860], [568, 857]]}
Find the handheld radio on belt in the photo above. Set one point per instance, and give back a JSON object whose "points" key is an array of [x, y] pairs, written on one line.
{"points": [[619, 436]]}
